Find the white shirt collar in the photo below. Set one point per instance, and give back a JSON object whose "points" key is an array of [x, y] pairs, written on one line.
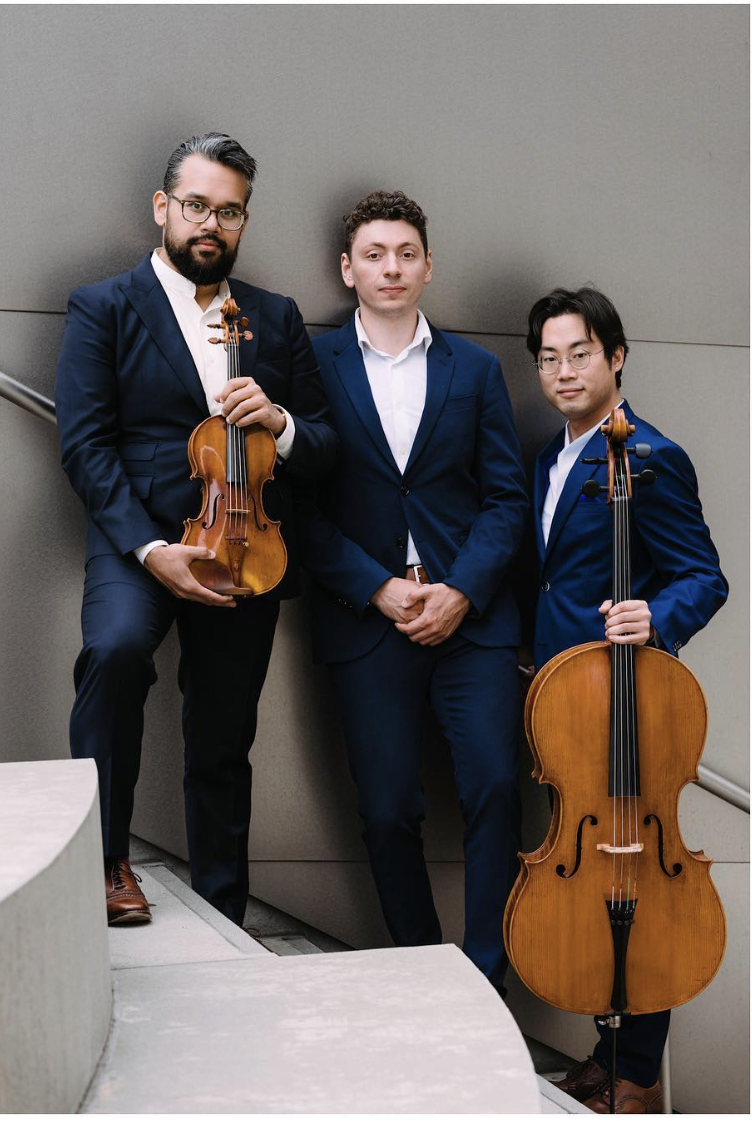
{"points": [[170, 278], [421, 337]]}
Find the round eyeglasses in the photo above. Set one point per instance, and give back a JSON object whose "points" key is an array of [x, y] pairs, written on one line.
{"points": [[196, 211], [578, 360]]}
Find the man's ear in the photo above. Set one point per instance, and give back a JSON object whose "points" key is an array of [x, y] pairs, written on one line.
{"points": [[160, 202], [346, 268]]}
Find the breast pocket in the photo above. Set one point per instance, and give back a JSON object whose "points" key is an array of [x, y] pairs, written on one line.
{"points": [[461, 401]]}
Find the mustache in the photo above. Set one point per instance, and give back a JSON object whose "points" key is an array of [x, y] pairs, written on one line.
{"points": [[208, 238]]}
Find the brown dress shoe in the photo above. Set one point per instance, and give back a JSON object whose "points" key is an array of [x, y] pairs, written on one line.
{"points": [[126, 902], [583, 1080], [630, 1099]]}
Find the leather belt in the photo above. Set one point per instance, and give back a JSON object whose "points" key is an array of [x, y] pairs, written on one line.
{"points": [[417, 573]]}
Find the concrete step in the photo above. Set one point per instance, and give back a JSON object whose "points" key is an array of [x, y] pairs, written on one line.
{"points": [[209, 1021]]}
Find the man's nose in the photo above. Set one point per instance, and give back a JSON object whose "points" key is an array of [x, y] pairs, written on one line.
{"points": [[210, 222], [392, 265], [566, 370]]}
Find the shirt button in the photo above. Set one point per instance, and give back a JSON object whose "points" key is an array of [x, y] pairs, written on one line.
{"points": [[545, 586], [404, 490]]}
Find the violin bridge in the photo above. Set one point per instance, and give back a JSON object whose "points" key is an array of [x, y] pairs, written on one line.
{"points": [[606, 848]]}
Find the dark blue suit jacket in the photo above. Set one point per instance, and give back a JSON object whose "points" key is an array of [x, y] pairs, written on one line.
{"points": [[128, 396], [462, 496], [675, 565]]}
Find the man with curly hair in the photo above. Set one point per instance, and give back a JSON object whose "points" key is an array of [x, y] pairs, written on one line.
{"points": [[409, 544]]}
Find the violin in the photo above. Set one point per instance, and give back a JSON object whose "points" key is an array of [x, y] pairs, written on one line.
{"points": [[612, 914], [233, 464]]}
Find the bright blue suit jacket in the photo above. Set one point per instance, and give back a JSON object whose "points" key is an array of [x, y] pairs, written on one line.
{"points": [[675, 565], [128, 396], [462, 496]]}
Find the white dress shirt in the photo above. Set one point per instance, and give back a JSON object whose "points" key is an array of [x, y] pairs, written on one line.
{"points": [[398, 385], [210, 358], [561, 468]]}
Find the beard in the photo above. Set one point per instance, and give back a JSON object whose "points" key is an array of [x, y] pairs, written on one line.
{"points": [[194, 267]]}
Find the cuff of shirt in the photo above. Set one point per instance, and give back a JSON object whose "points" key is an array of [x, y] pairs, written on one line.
{"points": [[285, 438], [144, 550]]}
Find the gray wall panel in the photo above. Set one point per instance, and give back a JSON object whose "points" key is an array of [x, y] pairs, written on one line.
{"points": [[546, 143]]}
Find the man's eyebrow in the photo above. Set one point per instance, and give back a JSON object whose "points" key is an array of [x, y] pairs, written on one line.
{"points": [[203, 199], [380, 245], [579, 343]]}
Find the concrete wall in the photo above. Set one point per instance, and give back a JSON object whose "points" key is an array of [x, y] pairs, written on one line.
{"points": [[548, 145]]}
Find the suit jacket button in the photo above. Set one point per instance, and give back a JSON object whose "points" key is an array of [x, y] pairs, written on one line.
{"points": [[545, 586], [400, 543], [677, 645], [404, 490]]}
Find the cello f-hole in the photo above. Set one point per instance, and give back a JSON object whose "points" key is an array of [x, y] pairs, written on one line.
{"points": [[677, 865], [560, 869]]}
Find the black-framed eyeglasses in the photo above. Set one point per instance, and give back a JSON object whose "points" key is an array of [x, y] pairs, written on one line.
{"points": [[196, 211], [578, 360]]}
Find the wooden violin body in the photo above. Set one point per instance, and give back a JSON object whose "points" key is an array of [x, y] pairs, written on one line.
{"points": [[251, 556], [233, 464], [557, 927]]}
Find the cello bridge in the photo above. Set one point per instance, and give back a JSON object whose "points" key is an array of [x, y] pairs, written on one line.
{"points": [[606, 848]]}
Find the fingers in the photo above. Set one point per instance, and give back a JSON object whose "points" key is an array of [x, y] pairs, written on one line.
{"points": [[629, 622], [605, 607]]}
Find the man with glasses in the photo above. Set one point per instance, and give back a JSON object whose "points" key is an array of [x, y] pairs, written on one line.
{"points": [[136, 375], [579, 348]]}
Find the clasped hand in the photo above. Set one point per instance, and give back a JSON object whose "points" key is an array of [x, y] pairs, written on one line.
{"points": [[426, 613], [245, 403], [627, 622]]}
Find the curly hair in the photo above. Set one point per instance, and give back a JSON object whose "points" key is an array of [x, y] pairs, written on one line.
{"points": [[392, 206]]}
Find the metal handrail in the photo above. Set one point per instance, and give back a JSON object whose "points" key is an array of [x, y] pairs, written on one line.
{"points": [[27, 398], [41, 406]]}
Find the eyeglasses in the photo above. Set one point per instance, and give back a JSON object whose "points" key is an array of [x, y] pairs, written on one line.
{"points": [[578, 360], [195, 211]]}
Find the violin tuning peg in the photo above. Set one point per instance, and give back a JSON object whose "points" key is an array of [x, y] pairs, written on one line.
{"points": [[213, 339], [244, 321], [215, 326], [247, 335]]}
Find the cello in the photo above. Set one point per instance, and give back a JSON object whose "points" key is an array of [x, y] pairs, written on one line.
{"points": [[612, 914], [233, 464]]}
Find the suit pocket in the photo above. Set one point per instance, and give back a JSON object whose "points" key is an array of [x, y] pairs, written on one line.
{"points": [[138, 450], [461, 401]]}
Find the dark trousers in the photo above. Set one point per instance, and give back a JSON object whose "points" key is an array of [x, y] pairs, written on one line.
{"points": [[225, 653], [473, 691]]}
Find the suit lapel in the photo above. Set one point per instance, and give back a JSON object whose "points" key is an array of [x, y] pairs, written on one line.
{"points": [[540, 484], [150, 301], [439, 372], [348, 363], [572, 490]]}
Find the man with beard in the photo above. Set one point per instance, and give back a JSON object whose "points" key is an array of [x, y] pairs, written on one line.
{"points": [[136, 375]]}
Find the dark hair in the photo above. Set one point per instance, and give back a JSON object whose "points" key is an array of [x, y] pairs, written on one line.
{"points": [[217, 146], [597, 311], [389, 205]]}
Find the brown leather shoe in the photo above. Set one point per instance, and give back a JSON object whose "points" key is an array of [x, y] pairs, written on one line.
{"points": [[583, 1080], [126, 902], [630, 1099]]}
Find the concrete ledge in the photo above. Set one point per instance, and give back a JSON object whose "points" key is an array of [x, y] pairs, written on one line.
{"points": [[55, 993]]}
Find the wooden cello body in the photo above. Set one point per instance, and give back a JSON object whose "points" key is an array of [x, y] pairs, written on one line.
{"points": [[233, 464], [612, 913]]}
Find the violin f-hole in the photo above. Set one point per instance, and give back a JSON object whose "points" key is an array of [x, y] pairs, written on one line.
{"points": [[208, 525], [560, 869]]}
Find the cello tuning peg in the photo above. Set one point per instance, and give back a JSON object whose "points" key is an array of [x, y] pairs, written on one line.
{"points": [[593, 460], [641, 451], [647, 475], [591, 488]]}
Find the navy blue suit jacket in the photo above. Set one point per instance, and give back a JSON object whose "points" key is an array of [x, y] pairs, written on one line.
{"points": [[675, 565], [462, 496], [128, 396]]}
